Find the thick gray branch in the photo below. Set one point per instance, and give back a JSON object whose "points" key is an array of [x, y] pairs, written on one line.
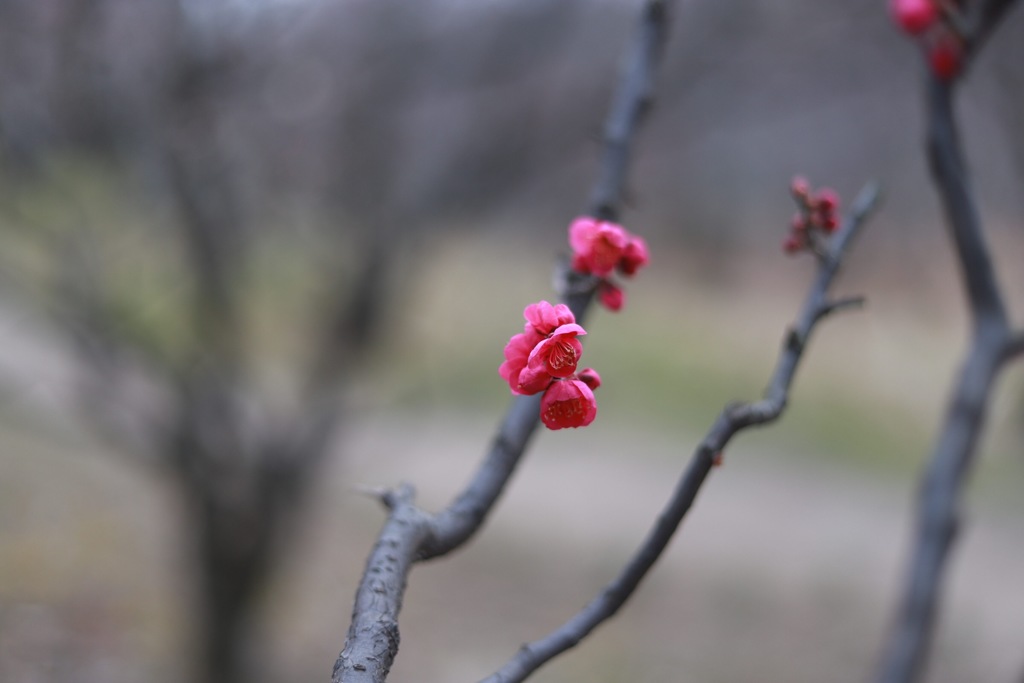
{"points": [[733, 419], [373, 634], [992, 343]]}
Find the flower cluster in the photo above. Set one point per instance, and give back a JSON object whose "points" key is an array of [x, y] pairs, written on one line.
{"points": [[544, 357], [600, 248], [818, 214], [932, 21]]}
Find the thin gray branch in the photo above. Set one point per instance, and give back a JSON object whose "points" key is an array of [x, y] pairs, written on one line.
{"points": [[632, 101], [733, 419], [992, 343], [951, 179], [372, 640]]}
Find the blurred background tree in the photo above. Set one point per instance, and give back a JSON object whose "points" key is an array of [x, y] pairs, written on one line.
{"points": [[235, 231]]}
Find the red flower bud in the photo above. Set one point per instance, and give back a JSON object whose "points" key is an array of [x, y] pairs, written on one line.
{"points": [[558, 354], [946, 56], [800, 187], [914, 16], [635, 256], [590, 377], [568, 403], [611, 297], [827, 200]]}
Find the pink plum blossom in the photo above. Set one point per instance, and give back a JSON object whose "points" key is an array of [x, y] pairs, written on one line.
{"points": [[635, 256], [610, 296], [568, 403], [598, 246], [590, 377], [559, 353], [545, 317], [517, 353]]}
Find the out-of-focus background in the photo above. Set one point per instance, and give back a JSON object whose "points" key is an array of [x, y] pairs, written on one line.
{"points": [[260, 253]]}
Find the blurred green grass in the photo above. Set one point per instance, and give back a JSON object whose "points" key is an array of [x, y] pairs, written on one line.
{"points": [[699, 330]]}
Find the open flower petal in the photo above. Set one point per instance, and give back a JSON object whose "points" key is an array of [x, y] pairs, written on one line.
{"points": [[606, 248], [545, 317], [581, 233], [517, 355], [559, 353], [533, 380]]}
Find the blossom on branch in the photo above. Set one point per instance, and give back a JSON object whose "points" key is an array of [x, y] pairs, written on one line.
{"points": [[597, 246], [817, 216], [568, 403], [544, 317], [554, 357], [914, 16], [547, 349], [601, 248], [517, 353], [558, 353], [543, 358], [935, 23], [590, 377]]}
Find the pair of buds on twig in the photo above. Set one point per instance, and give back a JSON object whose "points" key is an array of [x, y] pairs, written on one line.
{"points": [[940, 26], [817, 217]]}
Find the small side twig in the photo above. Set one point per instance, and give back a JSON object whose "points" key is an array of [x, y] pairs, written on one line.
{"points": [[733, 419]]}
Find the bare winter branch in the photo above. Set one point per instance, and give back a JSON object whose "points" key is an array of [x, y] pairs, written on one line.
{"points": [[992, 343], [409, 534], [632, 101], [984, 19], [373, 635], [950, 174], [732, 419]]}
